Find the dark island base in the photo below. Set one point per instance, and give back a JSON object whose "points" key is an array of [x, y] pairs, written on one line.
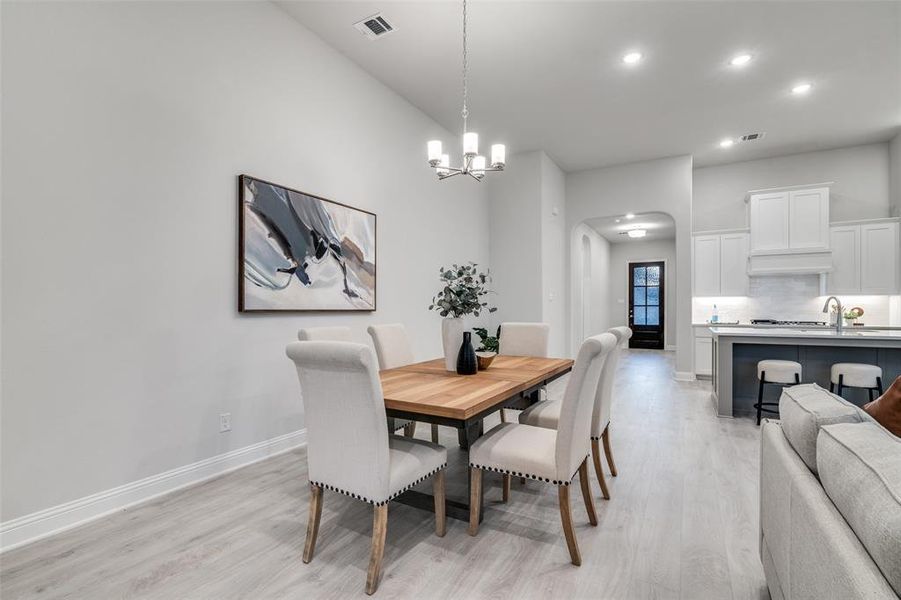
{"points": [[816, 362]]}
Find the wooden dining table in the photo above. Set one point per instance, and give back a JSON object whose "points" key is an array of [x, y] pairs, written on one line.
{"points": [[428, 392]]}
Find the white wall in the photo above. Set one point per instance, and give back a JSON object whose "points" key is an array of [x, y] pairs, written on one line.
{"points": [[528, 244], [663, 185], [895, 175], [621, 254], [514, 201], [125, 125], [860, 173], [598, 283], [553, 253]]}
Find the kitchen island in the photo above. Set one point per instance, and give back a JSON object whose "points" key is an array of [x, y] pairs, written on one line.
{"points": [[736, 352]]}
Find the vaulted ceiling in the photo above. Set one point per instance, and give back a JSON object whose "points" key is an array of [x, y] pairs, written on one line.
{"points": [[550, 75]]}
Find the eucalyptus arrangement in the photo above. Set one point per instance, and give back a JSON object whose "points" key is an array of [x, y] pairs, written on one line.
{"points": [[464, 291]]}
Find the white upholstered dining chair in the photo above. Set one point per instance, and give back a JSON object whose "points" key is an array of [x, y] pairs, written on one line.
{"points": [[523, 339], [549, 455], [348, 448], [393, 347], [343, 334], [547, 414]]}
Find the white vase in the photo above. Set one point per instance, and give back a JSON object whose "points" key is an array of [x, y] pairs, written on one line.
{"points": [[452, 339]]}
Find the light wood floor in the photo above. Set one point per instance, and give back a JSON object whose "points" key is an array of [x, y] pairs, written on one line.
{"points": [[681, 523]]}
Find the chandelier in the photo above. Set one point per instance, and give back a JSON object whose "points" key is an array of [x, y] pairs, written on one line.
{"points": [[474, 164]]}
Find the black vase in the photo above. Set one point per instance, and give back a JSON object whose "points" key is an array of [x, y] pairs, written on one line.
{"points": [[467, 364]]}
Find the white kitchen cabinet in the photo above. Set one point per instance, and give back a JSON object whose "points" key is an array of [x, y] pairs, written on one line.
{"points": [[865, 258], [706, 271], [734, 264], [845, 276], [769, 218], [879, 263], [720, 264], [795, 218], [703, 356], [808, 220]]}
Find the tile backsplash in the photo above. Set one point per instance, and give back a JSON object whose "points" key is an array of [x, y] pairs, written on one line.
{"points": [[793, 298]]}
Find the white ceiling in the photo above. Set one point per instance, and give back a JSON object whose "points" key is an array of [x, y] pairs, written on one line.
{"points": [[660, 226], [549, 75]]}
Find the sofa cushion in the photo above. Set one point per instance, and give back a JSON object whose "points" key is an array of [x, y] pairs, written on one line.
{"points": [[886, 409], [804, 409], [860, 469]]}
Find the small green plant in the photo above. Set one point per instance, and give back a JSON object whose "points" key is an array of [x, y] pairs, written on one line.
{"points": [[464, 290], [489, 342]]}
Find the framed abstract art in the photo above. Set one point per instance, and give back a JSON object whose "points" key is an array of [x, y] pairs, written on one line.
{"points": [[300, 252]]}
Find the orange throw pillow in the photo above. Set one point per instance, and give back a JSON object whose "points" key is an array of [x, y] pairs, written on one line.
{"points": [[886, 409]]}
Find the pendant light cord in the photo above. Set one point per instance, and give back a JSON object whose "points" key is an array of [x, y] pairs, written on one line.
{"points": [[465, 68]]}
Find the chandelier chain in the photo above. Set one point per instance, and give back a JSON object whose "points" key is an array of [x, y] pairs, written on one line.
{"points": [[465, 69]]}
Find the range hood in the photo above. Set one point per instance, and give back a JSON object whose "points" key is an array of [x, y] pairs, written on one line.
{"points": [[790, 261]]}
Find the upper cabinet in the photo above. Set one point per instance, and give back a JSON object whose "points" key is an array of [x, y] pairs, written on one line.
{"points": [[789, 230], [720, 264], [865, 258], [769, 217], [789, 219]]}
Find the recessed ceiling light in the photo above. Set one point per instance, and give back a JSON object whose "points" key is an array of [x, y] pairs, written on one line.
{"points": [[727, 143], [632, 58], [630, 216], [740, 60], [801, 88], [637, 233]]}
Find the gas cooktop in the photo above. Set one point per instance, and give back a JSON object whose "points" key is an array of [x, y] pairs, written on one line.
{"points": [[794, 323]]}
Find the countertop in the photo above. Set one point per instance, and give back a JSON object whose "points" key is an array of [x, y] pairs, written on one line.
{"points": [[807, 327], [809, 333]]}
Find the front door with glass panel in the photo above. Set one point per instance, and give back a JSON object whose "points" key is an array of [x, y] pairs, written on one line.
{"points": [[646, 305]]}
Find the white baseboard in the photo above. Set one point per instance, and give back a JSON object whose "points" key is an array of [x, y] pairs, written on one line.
{"points": [[44, 523], [684, 376]]}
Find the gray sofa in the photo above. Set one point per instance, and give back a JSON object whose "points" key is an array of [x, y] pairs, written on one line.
{"points": [[830, 501]]}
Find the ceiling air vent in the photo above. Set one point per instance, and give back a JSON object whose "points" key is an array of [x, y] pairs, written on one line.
{"points": [[374, 27], [752, 137]]}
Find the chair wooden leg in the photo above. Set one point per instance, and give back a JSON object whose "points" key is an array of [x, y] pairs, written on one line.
{"points": [[503, 416], [598, 470], [506, 492], [567, 518], [607, 452], [586, 493], [475, 495], [313, 523], [379, 531], [434, 433], [438, 491], [410, 430]]}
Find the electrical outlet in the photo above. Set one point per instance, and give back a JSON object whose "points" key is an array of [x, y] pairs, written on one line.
{"points": [[225, 422]]}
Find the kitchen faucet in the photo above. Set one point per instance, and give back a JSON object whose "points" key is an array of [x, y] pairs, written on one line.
{"points": [[838, 317]]}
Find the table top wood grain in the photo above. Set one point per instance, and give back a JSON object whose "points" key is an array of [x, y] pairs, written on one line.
{"points": [[428, 388]]}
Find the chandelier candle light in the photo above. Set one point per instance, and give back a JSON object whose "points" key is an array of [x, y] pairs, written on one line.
{"points": [[474, 164]]}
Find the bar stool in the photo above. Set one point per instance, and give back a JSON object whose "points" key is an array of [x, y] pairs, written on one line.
{"points": [[856, 375], [778, 372]]}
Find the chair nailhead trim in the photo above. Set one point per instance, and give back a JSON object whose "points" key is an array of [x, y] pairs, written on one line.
{"points": [[378, 502], [527, 475]]}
